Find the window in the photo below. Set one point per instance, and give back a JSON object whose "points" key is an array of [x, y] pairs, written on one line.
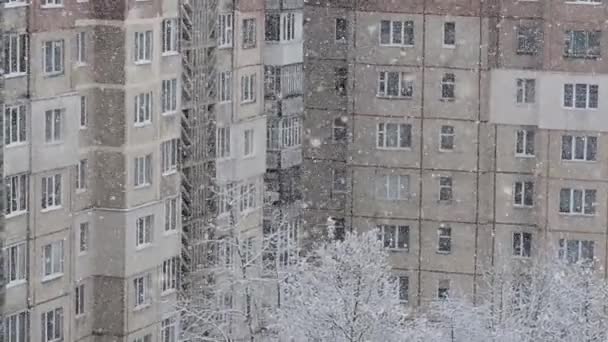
{"points": [[399, 33], [170, 30], [225, 197], [574, 251], [145, 338], [284, 133], [143, 109], [81, 47], [83, 233], [51, 192], [224, 304], [143, 290], [392, 187], [168, 330], [523, 194], [52, 325], [340, 129], [448, 86], [272, 30], [53, 125], [582, 44], [170, 270], [249, 33], [222, 142], [524, 146], [52, 257], [15, 54], [16, 327], [395, 84], [225, 253], [15, 128], [289, 26], [444, 239], [394, 136], [339, 226], [81, 175], [169, 96], [404, 284], [248, 197], [53, 56], [248, 143], [526, 90], [52, 3], [339, 180], [522, 244], [581, 96], [449, 34], [248, 86], [225, 30], [16, 194], [143, 47], [225, 86], [528, 40], [394, 237], [341, 79], [144, 230], [15, 264], [446, 138], [171, 214], [577, 201], [79, 300], [443, 289], [445, 188], [341, 30], [169, 156], [143, 171], [83, 112], [579, 148]]}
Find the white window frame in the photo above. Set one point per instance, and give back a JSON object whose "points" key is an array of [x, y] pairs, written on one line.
{"points": [[525, 141], [144, 231], [285, 132], [225, 197], [288, 26], [169, 275], [52, 331], [222, 142], [396, 231], [248, 88], [520, 189], [53, 125], [249, 143], [15, 125], [143, 47], [53, 264], [590, 52], [51, 3], [79, 300], [169, 329], [393, 187], [15, 264], [224, 84], [587, 156], [144, 338], [443, 180], [248, 197], [249, 33], [574, 89], [81, 175], [448, 85], [16, 327], [571, 202], [404, 136], [168, 94], [226, 29], [444, 35], [170, 36], [525, 91], [16, 44], [563, 250], [444, 232], [519, 249], [142, 113], [53, 55], [169, 154], [447, 139], [84, 235], [84, 116], [81, 48], [405, 88], [142, 171], [402, 33], [171, 214], [16, 194], [52, 192], [142, 286], [404, 288]]}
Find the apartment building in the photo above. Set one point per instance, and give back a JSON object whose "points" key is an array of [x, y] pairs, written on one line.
{"points": [[468, 132], [91, 128]]}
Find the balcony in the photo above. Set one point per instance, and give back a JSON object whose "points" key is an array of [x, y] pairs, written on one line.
{"points": [[284, 4], [284, 158]]}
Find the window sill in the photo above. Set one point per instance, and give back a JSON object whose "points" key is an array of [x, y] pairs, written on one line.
{"points": [[224, 46], [251, 156], [16, 283], [577, 215], [397, 250], [82, 253], [16, 4], [170, 53], [247, 102], [593, 57], [248, 47], [141, 307], [80, 64], [525, 156], [445, 202], [53, 74], [51, 6], [49, 209], [523, 207], [443, 252], [579, 109], [15, 75], [143, 62], [169, 173], [51, 277], [388, 97], [168, 292], [142, 186], [578, 161], [447, 99], [15, 214], [80, 316], [142, 124], [446, 150], [170, 113], [81, 191], [526, 53], [143, 246], [82, 128], [449, 46], [171, 232], [583, 3], [11, 145], [393, 148], [51, 143], [397, 45]]}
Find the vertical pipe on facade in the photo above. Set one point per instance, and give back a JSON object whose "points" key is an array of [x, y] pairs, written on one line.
{"points": [[29, 215], [494, 15], [421, 153], [352, 119]]}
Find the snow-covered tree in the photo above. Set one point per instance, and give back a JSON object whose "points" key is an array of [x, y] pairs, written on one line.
{"points": [[343, 291], [547, 300]]}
